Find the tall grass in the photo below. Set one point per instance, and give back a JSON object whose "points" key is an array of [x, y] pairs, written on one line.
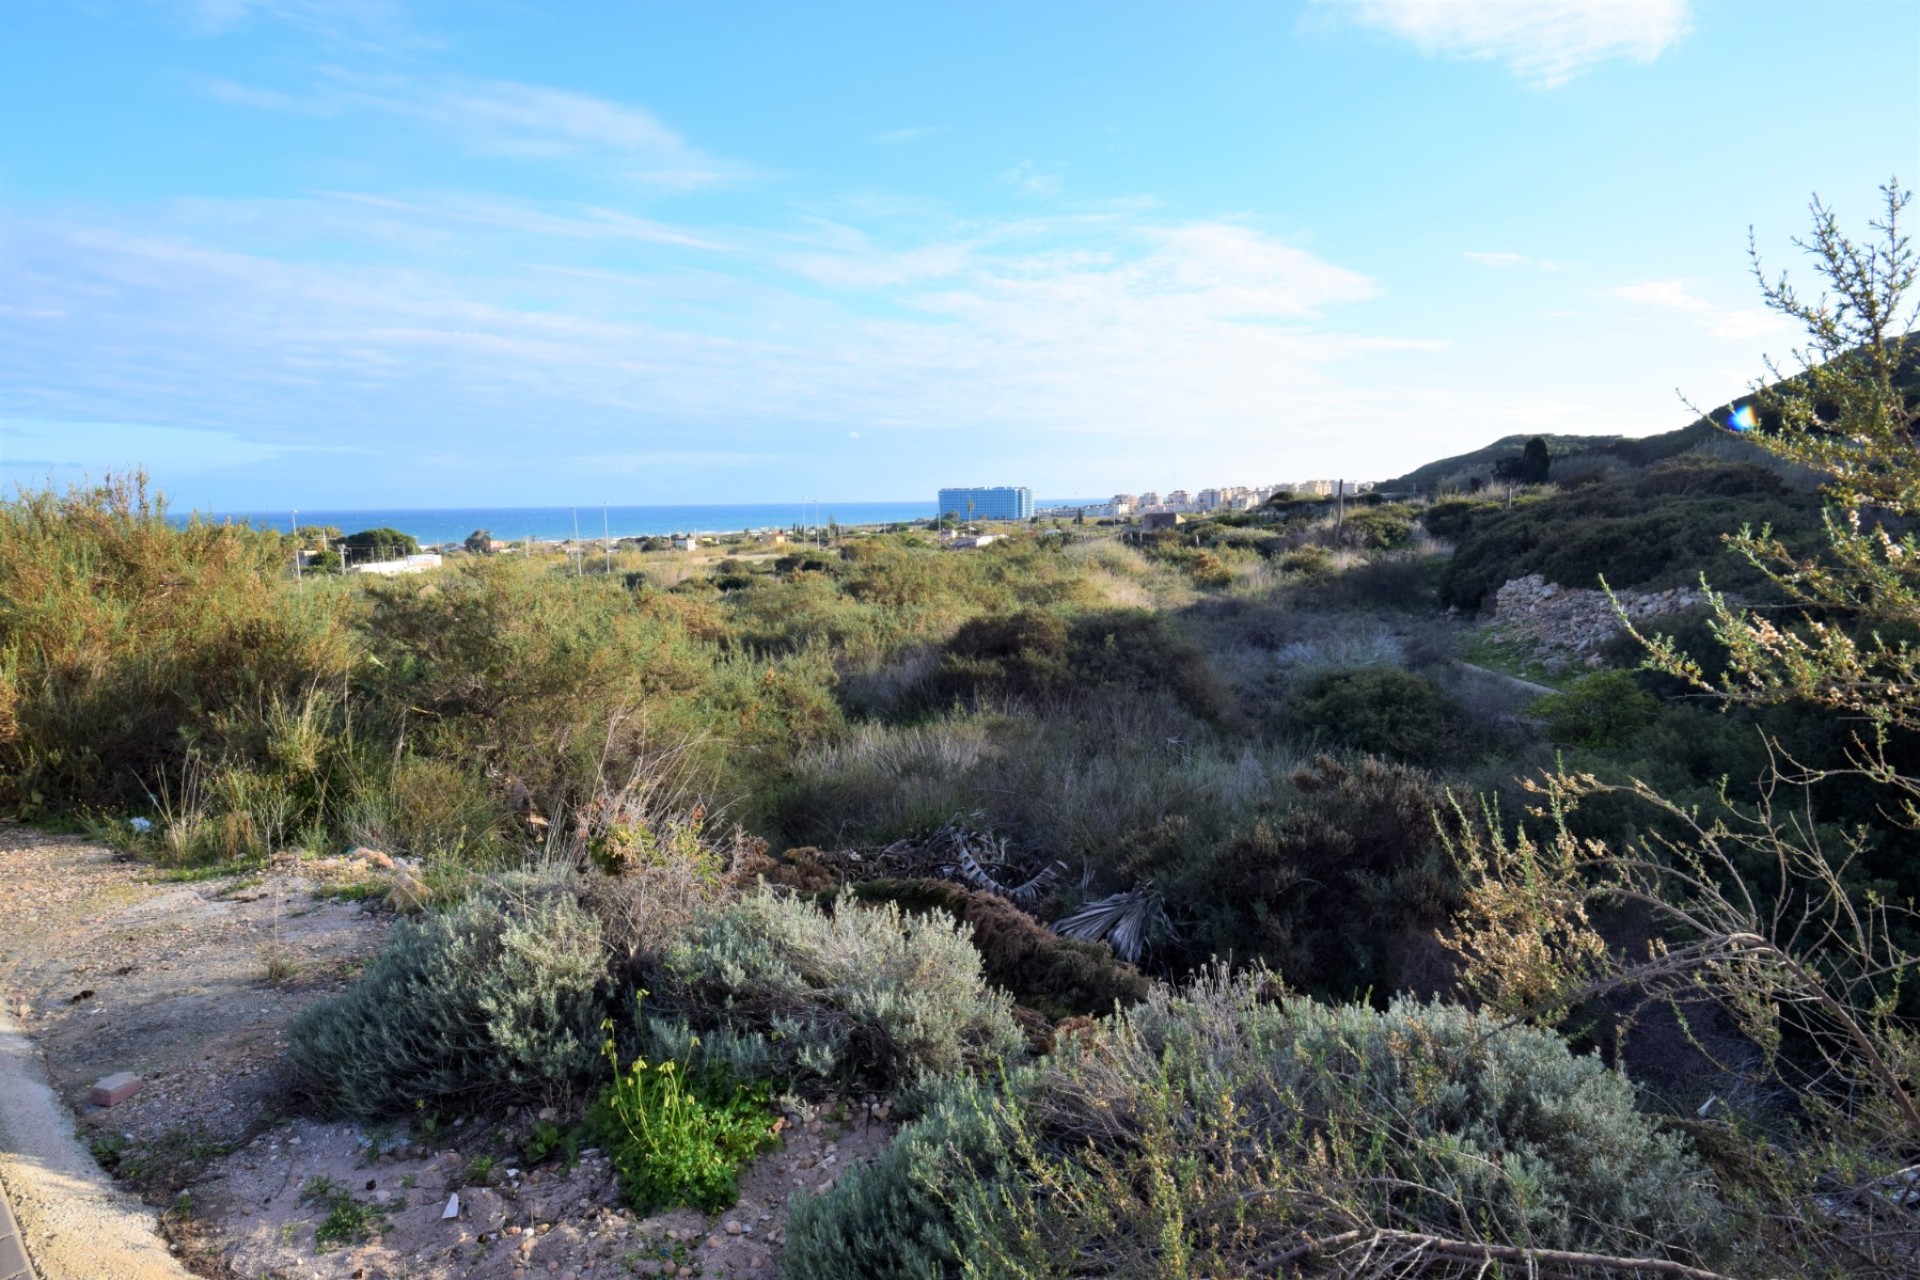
{"points": [[179, 670], [131, 648]]}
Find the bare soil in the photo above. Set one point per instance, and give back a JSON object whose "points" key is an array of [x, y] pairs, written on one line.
{"points": [[110, 966]]}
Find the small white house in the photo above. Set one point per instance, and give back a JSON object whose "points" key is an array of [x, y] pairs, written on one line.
{"points": [[420, 563], [686, 542]]}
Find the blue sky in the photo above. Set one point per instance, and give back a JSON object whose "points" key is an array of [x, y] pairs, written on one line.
{"points": [[372, 252]]}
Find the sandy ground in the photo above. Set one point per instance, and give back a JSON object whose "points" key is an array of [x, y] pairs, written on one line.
{"points": [[558, 1220], [109, 966]]}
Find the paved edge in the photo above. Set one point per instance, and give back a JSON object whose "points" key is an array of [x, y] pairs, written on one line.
{"points": [[13, 1252], [74, 1222]]}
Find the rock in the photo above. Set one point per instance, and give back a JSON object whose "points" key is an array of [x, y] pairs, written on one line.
{"points": [[409, 892], [453, 1206], [115, 1089], [733, 1227]]}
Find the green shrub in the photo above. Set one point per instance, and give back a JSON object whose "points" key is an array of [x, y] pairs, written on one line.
{"points": [[1312, 560], [134, 651], [1132, 651], [382, 543], [491, 1000], [677, 1137], [1022, 654], [1209, 570], [1599, 710], [859, 997], [1378, 529], [1340, 891], [1382, 710], [1220, 1124], [1054, 976], [428, 807], [894, 1219], [1654, 530]]}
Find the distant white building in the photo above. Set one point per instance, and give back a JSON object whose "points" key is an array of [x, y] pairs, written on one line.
{"points": [[419, 563], [685, 542]]}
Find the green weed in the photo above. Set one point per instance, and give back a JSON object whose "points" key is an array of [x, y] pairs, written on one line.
{"points": [[677, 1137], [348, 1221]]}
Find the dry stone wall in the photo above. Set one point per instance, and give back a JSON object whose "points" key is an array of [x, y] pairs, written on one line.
{"points": [[1571, 624]]}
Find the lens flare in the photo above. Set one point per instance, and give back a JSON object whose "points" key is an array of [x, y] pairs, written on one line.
{"points": [[1742, 419]]}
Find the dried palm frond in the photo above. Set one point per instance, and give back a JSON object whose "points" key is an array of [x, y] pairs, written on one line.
{"points": [[1128, 922]]}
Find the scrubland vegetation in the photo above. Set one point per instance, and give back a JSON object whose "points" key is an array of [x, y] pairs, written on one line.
{"points": [[1430, 975]]}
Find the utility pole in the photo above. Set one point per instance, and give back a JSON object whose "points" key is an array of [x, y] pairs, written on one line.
{"points": [[296, 545], [574, 550], [606, 535], [1340, 508]]}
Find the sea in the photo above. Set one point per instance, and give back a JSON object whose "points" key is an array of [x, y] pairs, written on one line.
{"points": [[432, 526]]}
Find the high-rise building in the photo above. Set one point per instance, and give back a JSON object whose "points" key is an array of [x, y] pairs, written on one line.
{"points": [[1000, 503]]}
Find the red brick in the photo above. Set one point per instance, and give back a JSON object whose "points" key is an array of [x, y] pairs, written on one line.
{"points": [[115, 1089]]}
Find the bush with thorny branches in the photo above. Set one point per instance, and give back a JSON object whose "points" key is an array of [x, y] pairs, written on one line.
{"points": [[1757, 907]]}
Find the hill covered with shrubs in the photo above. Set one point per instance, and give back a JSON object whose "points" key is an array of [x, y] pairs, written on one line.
{"points": [[1205, 901]]}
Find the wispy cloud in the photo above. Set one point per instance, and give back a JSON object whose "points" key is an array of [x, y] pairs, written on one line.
{"points": [[588, 222], [368, 24], [1030, 179], [508, 119], [1118, 324], [1680, 296], [1510, 260], [34, 448], [1543, 42]]}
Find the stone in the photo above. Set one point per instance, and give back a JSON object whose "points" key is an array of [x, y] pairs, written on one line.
{"points": [[733, 1227], [453, 1206], [114, 1089]]}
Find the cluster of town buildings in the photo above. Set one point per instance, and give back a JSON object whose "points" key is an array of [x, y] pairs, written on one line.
{"points": [[996, 502], [1233, 497], [1015, 502]]}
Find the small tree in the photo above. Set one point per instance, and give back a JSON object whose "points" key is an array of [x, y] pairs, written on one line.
{"points": [[480, 542], [379, 544], [1755, 903], [1532, 466]]}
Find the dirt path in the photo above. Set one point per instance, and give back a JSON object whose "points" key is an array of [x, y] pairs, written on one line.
{"points": [[73, 1220], [109, 967]]}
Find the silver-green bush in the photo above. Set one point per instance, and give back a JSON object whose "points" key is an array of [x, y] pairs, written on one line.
{"points": [[772, 986], [492, 999], [1212, 1130]]}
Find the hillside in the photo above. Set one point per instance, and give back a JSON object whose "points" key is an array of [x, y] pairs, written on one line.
{"points": [[1702, 433], [1630, 450]]}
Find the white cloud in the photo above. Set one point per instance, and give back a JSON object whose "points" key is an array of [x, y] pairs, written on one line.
{"points": [[1510, 260], [1030, 180], [32, 448], [1544, 42], [1719, 322], [508, 119], [366, 24], [1120, 325]]}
